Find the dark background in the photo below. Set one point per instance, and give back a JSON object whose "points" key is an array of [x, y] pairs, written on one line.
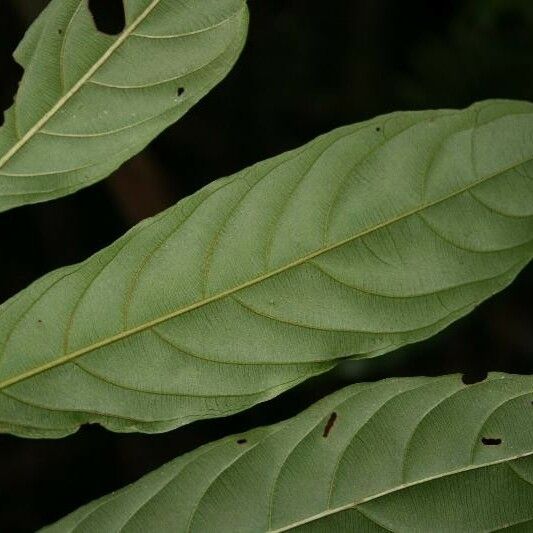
{"points": [[309, 66]]}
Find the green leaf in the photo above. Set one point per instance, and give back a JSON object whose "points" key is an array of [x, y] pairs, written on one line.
{"points": [[403, 455], [89, 101], [370, 237]]}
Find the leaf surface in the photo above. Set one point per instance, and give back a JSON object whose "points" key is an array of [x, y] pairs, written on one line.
{"points": [[368, 238], [89, 101], [402, 455]]}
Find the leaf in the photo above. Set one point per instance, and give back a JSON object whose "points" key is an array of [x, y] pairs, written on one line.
{"points": [[370, 237], [403, 455], [89, 101]]}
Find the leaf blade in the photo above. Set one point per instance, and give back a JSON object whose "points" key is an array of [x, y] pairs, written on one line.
{"points": [[422, 476], [209, 308], [73, 121]]}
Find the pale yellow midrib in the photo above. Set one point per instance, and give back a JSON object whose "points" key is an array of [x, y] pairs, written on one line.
{"points": [[147, 325], [403, 486], [75, 88]]}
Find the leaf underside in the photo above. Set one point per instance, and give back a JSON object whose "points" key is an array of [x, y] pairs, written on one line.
{"points": [[401, 455], [89, 101], [368, 238]]}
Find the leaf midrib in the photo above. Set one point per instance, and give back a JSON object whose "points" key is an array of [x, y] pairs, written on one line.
{"points": [[77, 86], [164, 318], [354, 505]]}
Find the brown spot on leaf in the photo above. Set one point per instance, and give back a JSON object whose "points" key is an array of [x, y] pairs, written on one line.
{"points": [[329, 425], [488, 441]]}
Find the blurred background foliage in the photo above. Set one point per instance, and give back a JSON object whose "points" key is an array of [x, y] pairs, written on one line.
{"points": [[308, 67]]}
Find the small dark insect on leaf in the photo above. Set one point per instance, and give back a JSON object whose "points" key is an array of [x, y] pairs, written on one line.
{"points": [[329, 424], [181, 90], [242, 441], [487, 441]]}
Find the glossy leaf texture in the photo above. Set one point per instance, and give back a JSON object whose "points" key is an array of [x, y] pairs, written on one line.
{"points": [[370, 237], [89, 101], [403, 455]]}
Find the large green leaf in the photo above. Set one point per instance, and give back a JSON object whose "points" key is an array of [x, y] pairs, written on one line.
{"points": [[403, 455], [89, 101], [368, 238]]}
